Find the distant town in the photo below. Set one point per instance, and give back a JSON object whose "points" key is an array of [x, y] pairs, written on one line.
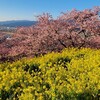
{"points": [[7, 29]]}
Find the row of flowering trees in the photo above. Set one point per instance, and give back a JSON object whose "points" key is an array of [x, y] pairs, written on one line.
{"points": [[71, 29]]}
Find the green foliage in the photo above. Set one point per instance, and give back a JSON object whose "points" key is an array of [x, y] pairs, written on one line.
{"points": [[73, 74]]}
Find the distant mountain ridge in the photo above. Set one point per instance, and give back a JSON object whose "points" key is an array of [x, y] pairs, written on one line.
{"points": [[17, 23]]}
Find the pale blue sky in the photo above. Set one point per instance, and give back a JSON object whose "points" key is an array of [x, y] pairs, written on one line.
{"points": [[27, 9]]}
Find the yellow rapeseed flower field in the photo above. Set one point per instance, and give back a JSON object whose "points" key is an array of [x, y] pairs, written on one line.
{"points": [[73, 74]]}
